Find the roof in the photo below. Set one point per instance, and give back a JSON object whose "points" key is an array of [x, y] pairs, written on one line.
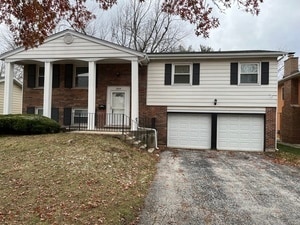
{"points": [[217, 54], [289, 77], [152, 56], [80, 35]]}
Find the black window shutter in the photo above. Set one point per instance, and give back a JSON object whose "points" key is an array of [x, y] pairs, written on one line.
{"points": [[68, 75], [67, 116], [196, 74], [234, 73], [56, 76], [265, 73], [31, 72], [30, 110], [55, 114], [168, 74]]}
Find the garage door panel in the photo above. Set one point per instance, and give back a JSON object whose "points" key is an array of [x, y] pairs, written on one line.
{"points": [[240, 132], [189, 130]]}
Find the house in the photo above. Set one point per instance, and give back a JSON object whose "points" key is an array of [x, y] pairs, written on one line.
{"points": [[288, 117], [16, 96], [200, 100]]}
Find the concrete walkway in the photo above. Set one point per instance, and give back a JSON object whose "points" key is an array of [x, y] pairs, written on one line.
{"points": [[210, 187]]}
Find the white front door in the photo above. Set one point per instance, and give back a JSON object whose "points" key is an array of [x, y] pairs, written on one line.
{"points": [[118, 106]]}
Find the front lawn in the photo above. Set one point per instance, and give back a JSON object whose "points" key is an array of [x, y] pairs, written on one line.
{"points": [[287, 155], [72, 179]]}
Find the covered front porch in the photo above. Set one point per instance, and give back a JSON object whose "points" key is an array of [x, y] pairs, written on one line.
{"points": [[76, 79]]}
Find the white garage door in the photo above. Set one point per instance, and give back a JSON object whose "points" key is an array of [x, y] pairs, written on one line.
{"points": [[189, 131], [240, 132]]}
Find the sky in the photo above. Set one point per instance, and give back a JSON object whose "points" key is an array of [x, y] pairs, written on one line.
{"points": [[277, 27]]}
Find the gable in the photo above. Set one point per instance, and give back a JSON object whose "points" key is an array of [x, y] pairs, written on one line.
{"points": [[72, 45]]}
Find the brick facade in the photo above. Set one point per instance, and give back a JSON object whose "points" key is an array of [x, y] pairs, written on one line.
{"points": [[157, 112], [290, 117], [119, 75], [107, 75], [270, 129], [290, 126]]}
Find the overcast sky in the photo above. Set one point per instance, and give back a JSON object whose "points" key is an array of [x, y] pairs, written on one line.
{"points": [[276, 28]]}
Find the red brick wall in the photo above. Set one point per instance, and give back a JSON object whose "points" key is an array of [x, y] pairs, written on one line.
{"points": [[270, 134], [157, 112], [290, 126], [107, 75]]}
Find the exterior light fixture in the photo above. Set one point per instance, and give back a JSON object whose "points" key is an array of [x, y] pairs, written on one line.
{"points": [[215, 101]]}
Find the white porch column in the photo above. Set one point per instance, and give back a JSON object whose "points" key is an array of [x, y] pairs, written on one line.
{"points": [[92, 96], [47, 90], [134, 93], [8, 88]]}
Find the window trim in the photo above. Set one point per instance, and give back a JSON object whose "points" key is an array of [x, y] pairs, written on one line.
{"points": [[37, 109], [258, 74], [39, 69], [190, 73], [73, 115]]}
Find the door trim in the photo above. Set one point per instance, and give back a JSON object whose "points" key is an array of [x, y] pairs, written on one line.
{"points": [[126, 90]]}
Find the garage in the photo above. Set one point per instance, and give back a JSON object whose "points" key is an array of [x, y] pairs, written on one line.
{"points": [[189, 130], [240, 132]]}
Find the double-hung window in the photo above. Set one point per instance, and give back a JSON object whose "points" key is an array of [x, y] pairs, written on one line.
{"points": [[81, 77], [249, 73], [182, 74]]}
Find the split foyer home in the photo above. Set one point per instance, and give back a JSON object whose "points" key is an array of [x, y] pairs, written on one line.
{"points": [[16, 96], [289, 102], [200, 100]]}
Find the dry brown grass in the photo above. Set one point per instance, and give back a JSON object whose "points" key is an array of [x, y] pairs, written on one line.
{"points": [[72, 179]]}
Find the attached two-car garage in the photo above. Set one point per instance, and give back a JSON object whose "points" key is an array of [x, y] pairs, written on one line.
{"points": [[217, 131]]}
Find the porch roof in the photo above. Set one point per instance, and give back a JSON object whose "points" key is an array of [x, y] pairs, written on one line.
{"points": [[71, 45]]}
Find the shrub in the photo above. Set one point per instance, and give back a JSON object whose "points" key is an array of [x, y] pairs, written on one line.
{"points": [[27, 124]]}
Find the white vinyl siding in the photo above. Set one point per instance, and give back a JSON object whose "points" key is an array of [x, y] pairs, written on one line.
{"points": [[214, 84], [80, 48]]}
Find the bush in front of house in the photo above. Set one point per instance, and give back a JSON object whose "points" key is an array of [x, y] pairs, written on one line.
{"points": [[27, 124]]}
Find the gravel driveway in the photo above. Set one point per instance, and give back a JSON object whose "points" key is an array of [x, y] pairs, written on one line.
{"points": [[213, 187]]}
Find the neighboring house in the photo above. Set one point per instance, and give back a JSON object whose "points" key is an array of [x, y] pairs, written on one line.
{"points": [[288, 117], [16, 96], [212, 100]]}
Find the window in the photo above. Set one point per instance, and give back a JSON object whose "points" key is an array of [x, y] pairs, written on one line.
{"points": [[249, 73], [182, 74], [41, 76], [81, 77], [80, 116], [39, 111]]}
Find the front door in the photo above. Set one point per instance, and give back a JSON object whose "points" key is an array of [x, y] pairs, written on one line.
{"points": [[118, 106]]}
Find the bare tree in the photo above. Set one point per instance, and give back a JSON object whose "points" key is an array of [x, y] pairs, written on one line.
{"points": [[205, 48], [144, 27], [7, 43]]}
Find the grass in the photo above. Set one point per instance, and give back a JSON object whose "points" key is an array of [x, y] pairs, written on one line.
{"points": [[72, 179], [287, 155]]}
